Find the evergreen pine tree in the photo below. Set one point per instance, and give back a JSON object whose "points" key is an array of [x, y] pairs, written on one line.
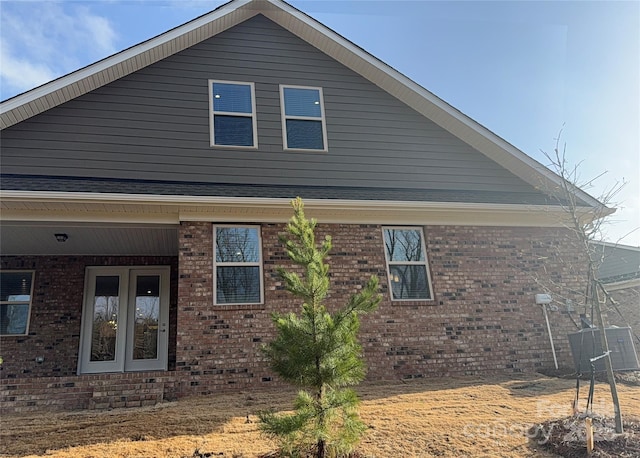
{"points": [[318, 351]]}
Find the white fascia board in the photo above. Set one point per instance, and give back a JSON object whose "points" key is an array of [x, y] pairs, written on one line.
{"points": [[211, 208]]}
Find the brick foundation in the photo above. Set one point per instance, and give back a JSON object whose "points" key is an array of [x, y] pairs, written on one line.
{"points": [[483, 318]]}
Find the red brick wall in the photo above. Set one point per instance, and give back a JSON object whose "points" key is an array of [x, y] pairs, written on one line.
{"points": [[483, 319], [54, 327]]}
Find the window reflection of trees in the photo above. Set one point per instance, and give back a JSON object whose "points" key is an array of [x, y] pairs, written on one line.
{"points": [[145, 333], [403, 245], [408, 281], [105, 326], [236, 244], [235, 282]]}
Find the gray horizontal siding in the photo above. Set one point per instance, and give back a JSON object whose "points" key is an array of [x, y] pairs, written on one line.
{"points": [[154, 125]]}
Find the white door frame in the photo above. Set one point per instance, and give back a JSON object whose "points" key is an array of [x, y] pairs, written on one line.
{"points": [[123, 360]]}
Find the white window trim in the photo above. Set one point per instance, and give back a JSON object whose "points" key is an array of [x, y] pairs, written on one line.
{"points": [[237, 264], [30, 303], [284, 118], [252, 115], [404, 263]]}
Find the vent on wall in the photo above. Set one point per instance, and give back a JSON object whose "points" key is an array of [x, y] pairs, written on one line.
{"points": [[586, 345]]}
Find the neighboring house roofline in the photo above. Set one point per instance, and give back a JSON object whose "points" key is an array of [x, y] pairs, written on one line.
{"points": [[623, 284], [618, 265], [615, 245], [107, 70]]}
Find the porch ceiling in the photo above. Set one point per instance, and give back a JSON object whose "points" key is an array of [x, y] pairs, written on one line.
{"points": [[33, 238]]}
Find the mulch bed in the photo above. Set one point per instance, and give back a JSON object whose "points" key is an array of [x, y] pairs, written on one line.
{"points": [[566, 437]]}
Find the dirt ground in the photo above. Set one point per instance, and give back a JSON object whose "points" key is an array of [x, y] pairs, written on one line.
{"points": [[452, 417]]}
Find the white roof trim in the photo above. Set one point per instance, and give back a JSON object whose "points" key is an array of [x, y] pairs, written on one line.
{"points": [[115, 207], [615, 245], [130, 60]]}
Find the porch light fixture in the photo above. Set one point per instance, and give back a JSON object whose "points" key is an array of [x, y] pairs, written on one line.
{"points": [[61, 237]]}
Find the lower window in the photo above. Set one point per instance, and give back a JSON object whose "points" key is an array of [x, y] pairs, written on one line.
{"points": [[237, 265], [407, 264], [16, 291]]}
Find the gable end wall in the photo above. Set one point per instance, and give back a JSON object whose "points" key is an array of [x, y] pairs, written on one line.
{"points": [[154, 124]]}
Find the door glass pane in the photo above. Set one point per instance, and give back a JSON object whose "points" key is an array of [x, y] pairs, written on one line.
{"points": [[147, 317], [106, 303]]}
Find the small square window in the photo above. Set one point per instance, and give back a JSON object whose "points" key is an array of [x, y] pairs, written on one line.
{"points": [[233, 114], [16, 292], [303, 121], [407, 264], [237, 265]]}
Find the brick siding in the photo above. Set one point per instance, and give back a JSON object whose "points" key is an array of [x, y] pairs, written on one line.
{"points": [[56, 311], [483, 319]]}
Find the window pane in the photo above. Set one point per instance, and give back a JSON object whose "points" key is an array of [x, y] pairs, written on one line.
{"points": [[15, 286], [403, 244], [237, 244], [304, 134], [233, 130], [409, 282], [238, 285], [145, 330], [106, 304], [302, 102], [234, 98], [14, 318]]}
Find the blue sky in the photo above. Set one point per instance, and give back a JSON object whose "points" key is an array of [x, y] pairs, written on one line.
{"points": [[524, 70]]}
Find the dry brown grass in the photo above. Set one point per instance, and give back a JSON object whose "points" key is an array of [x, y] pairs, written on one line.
{"points": [[479, 417]]}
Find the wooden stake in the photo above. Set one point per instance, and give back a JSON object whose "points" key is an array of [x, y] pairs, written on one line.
{"points": [[589, 430]]}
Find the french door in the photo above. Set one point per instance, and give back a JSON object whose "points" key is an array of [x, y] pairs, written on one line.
{"points": [[125, 319]]}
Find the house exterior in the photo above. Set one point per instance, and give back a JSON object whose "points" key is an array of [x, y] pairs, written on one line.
{"points": [[619, 271], [143, 195]]}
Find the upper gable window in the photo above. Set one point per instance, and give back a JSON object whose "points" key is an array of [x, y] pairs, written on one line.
{"points": [[16, 292], [407, 264], [303, 118], [233, 114]]}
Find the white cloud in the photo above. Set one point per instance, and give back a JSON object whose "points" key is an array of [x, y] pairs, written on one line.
{"points": [[45, 40], [20, 74], [100, 30]]}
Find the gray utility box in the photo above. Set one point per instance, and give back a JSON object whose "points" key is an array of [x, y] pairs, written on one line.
{"points": [[586, 345]]}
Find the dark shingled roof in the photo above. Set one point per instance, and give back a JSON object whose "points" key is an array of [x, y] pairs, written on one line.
{"points": [[130, 186]]}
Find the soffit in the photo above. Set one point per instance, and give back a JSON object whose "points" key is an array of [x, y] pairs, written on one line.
{"points": [[25, 238]]}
